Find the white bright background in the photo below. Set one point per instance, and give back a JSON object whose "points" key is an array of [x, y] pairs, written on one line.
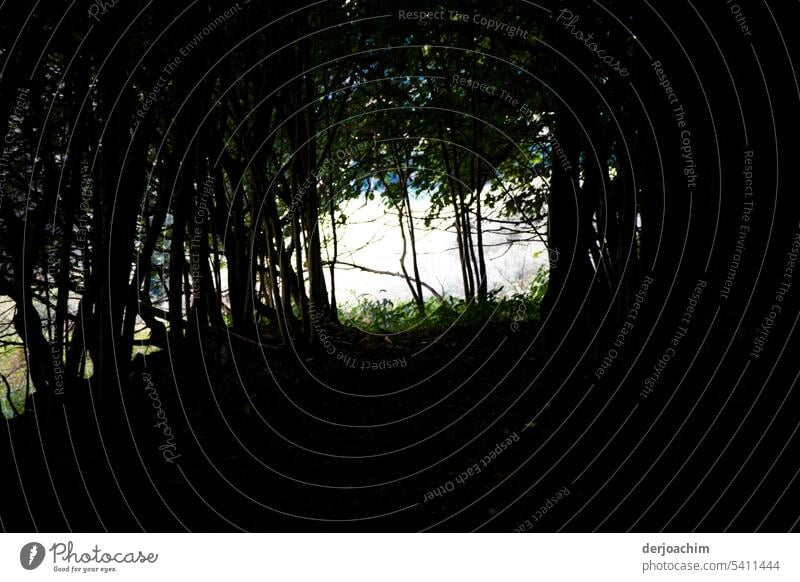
{"points": [[371, 238], [406, 557]]}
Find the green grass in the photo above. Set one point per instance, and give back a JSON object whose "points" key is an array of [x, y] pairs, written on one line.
{"points": [[370, 314], [386, 316], [12, 366], [17, 398]]}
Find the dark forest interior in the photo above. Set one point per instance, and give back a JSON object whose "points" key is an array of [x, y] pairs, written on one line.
{"points": [[179, 349]]}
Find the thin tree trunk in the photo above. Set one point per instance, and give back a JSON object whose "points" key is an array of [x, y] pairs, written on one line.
{"points": [[332, 209]]}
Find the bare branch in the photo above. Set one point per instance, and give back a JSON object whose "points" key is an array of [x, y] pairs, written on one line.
{"points": [[389, 273]]}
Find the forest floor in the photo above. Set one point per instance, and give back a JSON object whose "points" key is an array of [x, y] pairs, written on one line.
{"points": [[366, 432], [478, 428]]}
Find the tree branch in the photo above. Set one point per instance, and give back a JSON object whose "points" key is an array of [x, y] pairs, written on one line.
{"points": [[389, 273]]}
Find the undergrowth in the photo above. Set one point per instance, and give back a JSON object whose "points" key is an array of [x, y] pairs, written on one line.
{"points": [[386, 316]]}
